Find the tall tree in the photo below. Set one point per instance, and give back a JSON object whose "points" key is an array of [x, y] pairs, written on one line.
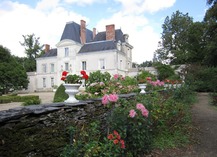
{"points": [[12, 74], [173, 44], [211, 34], [211, 2], [33, 49]]}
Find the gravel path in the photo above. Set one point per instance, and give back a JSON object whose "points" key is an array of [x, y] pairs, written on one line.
{"points": [[46, 97]]}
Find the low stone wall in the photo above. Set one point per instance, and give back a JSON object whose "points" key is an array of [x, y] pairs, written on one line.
{"points": [[42, 130]]}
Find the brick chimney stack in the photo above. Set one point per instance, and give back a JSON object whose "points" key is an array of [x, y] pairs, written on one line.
{"points": [[47, 48], [83, 32], [110, 32], [94, 32]]}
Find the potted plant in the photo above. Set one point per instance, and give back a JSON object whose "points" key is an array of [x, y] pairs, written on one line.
{"points": [[142, 79], [71, 83]]}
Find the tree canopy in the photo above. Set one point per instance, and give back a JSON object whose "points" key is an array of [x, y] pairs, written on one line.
{"points": [[12, 74], [33, 50], [184, 41]]}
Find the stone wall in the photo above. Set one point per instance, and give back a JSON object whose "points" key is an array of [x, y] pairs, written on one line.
{"points": [[42, 130]]}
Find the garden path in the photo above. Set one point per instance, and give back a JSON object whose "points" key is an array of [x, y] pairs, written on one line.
{"points": [[204, 117]]}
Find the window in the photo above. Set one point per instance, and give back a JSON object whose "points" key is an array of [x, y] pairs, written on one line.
{"points": [[44, 68], [121, 64], [102, 64], [52, 81], [44, 82], [52, 68], [84, 65], [66, 52], [67, 66]]}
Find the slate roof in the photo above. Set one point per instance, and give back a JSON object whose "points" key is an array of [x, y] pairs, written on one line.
{"points": [[101, 36], [50, 53], [98, 46], [99, 43], [72, 31]]}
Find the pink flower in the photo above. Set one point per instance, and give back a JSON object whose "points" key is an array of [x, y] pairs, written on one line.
{"points": [[140, 107], [105, 100], [145, 112], [116, 76], [113, 97], [132, 113], [102, 84]]}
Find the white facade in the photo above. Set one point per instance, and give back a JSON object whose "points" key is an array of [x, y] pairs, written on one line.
{"points": [[69, 58]]}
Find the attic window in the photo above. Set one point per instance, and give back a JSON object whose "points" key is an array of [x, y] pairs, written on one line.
{"points": [[66, 52]]}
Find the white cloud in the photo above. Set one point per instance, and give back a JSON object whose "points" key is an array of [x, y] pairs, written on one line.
{"points": [[141, 35], [83, 2], [140, 6], [21, 19], [47, 4]]}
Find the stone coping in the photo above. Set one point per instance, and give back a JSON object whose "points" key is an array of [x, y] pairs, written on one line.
{"points": [[18, 112]]}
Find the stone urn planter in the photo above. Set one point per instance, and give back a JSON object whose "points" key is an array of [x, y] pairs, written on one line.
{"points": [[142, 87], [71, 90]]}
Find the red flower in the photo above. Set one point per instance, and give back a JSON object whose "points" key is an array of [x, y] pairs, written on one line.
{"points": [[122, 144], [115, 141], [115, 133], [148, 78], [85, 77], [83, 72], [110, 136], [64, 73], [118, 137], [63, 78]]}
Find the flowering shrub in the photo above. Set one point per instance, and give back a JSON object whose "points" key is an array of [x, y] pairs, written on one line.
{"points": [[144, 77], [73, 78], [114, 145], [111, 98]]}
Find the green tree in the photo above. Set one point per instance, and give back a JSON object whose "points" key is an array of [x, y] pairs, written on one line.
{"points": [[210, 20], [146, 64], [195, 43], [173, 44], [12, 74], [33, 50], [211, 2]]}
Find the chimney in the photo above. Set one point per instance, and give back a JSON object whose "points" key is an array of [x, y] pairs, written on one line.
{"points": [[83, 32], [94, 32], [47, 48], [110, 32]]}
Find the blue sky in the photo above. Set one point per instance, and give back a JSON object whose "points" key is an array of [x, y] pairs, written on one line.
{"points": [[141, 19]]}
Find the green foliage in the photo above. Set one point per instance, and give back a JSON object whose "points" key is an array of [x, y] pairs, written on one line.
{"points": [[33, 50], [97, 76], [173, 45], [214, 99], [166, 126], [73, 78], [202, 78], [16, 98], [60, 94], [84, 141], [12, 75], [166, 72], [34, 101], [141, 77]]}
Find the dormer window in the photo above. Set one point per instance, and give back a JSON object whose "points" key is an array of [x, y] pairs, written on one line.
{"points": [[66, 52]]}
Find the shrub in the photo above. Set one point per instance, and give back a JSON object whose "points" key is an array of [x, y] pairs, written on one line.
{"points": [[202, 78], [32, 102], [98, 76], [166, 72], [60, 94], [16, 98]]}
